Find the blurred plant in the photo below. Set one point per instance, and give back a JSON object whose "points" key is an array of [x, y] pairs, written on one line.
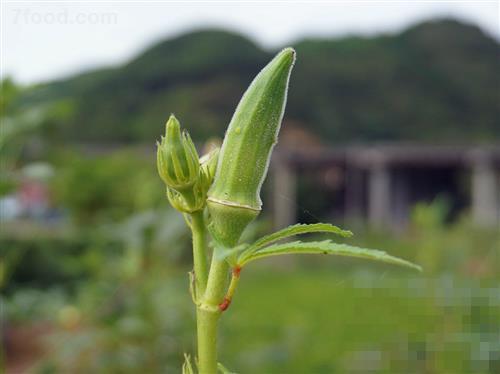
{"points": [[103, 188], [430, 219], [10, 91], [10, 134], [111, 291], [120, 322], [233, 201], [144, 236], [22, 130], [443, 247]]}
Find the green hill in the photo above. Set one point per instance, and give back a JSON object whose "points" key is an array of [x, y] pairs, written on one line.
{"points": [[436, 81]]}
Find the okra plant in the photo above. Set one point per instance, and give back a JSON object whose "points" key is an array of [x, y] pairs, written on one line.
{"points": [[219, 196]]}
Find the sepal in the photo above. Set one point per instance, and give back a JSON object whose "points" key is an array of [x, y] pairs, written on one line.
{"points": [[177, 160]]}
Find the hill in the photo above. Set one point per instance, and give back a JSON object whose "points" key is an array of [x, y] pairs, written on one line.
{"points": [[436, 81]]}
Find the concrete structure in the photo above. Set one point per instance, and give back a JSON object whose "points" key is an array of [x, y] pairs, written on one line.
{"points": [[380, 184]]}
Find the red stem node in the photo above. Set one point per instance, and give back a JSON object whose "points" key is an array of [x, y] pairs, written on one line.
{"points": [[236, 271], [225, 304]]}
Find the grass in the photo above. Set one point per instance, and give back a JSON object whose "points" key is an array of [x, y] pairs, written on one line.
{"points": [[294, 314], [313, 315], [313, 320]]}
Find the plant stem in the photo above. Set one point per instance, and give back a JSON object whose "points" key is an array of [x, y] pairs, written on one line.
{"points": [[217, 281], [206, 321], [207, 341], [208, 314], [235, 278], [199, 251]]}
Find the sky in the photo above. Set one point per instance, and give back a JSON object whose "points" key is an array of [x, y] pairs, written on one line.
{"points": [[47, 40]]}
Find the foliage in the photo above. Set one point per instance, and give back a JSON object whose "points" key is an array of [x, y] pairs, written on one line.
{"points": [[126, 325], [340, 316], [297, 230], [42, 262], [440, 247], [97, 189], [115, 296], [324, 247], [10, 91], [435, 81], [341, 320]]}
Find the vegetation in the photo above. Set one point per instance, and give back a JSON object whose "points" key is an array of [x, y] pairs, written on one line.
{"points": [[434, 82], [341, 315]]}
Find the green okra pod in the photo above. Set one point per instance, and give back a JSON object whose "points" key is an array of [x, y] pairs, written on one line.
{"points": [[234, 198]]}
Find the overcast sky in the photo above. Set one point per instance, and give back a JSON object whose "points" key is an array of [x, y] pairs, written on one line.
{"points": [[47, 40]]}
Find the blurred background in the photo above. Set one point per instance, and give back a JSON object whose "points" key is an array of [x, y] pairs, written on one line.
{"points": [[392, 129]]}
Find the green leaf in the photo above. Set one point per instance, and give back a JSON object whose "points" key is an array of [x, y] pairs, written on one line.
{"points": [[325, 247], [292, 231]]}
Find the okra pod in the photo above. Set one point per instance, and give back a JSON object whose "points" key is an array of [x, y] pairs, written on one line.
{"points": [[234, 197]]}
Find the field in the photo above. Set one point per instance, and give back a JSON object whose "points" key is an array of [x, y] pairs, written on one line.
{"points": [[111, 307]]}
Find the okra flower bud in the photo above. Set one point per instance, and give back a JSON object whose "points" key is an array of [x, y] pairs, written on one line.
{"points": [[179, 167], [234, 198], [208, 164], [177, 159], [194, 198]]}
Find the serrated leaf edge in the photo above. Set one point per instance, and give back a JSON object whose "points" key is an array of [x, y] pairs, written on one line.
{"points": [[293, 230], [325, 247]]}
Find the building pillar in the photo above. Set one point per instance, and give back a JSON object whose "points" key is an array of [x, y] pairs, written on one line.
{"points": [[379, 195], [485, 192], [284, 195]]}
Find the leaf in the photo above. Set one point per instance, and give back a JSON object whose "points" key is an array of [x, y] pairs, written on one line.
{"points": [[292, 231], [325, 247]]}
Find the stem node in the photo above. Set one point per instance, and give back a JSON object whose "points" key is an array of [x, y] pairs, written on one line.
{"points": [[225, 304]]}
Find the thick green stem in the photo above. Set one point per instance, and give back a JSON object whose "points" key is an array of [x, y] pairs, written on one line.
{"points": [[208, 314], [217, 281], [207, 341], [206, 321], [199, 252], [210, 290]]}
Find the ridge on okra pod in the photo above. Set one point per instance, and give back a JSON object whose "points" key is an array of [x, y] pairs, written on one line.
{"points": [[234, 198]]}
